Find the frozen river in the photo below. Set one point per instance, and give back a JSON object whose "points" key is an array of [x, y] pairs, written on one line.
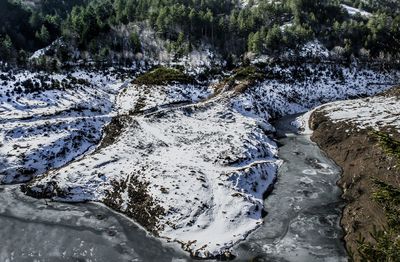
{"points": [[304, 208], [302, 222]]}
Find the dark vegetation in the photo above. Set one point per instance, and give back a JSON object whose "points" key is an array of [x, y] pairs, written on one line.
{"points": [[26, 28], [248, 73], [386, 244], [241, 79], [41, 82], [105, 27], [163, 76], [141, 206], [389, 144]]}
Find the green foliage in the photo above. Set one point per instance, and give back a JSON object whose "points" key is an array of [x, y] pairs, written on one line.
{"points": [[296, 35], [386, 246], [274, 38], [389, 144], [385, 249], [135, 41], [43, 35], [389, 198], [262, 27], [22, 57], [6, 47], [248, 73], [163, 76], [85, 23], [31, 28], [103, 54], [6, 43], [180, 47], [255, 42], [184, 23]]}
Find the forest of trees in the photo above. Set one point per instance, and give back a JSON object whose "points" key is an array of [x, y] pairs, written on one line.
{"points": [[25, 29], [232, 28]]}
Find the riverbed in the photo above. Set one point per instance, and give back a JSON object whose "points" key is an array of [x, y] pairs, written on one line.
{"points": [[304, 209], [302, 223]]}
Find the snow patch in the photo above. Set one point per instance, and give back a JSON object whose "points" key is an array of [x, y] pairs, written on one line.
{"points": [[353, 11], [377, 112]]}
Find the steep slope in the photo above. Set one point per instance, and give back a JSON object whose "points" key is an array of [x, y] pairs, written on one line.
{"points": [[47, 121], [360, 135]]}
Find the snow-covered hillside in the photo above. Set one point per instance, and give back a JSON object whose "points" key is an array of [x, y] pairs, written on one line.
{"points": [[189, 163], [204, 168], [47, 121], [299, 90]]}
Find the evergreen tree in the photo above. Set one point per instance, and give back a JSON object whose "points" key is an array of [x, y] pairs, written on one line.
{"points": [[43, 35], [135, 41], [6, 48]]}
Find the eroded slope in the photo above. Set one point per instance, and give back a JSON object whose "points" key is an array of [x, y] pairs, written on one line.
{"points": [[360, 135]]}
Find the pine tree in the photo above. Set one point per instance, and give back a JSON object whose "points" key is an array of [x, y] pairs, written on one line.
{"points": [[43, 35], [6, 48], [135, 41]]}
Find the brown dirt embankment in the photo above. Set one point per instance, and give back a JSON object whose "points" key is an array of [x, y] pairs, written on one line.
{"points": [[363, 160]]}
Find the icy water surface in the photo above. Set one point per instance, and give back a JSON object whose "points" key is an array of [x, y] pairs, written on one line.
{"points": [[302, 222], [304, 208], [31, 230]]}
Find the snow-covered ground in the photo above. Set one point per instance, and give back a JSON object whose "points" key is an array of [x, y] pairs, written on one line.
{"points": [[319, 85], [189, 166], [378, 112], [205, 164], [144, 98], [47, 122]]}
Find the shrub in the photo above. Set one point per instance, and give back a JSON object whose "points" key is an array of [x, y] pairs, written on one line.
{"points": [[389, 144], [248, 73], [164, 76], [386, 246]]}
